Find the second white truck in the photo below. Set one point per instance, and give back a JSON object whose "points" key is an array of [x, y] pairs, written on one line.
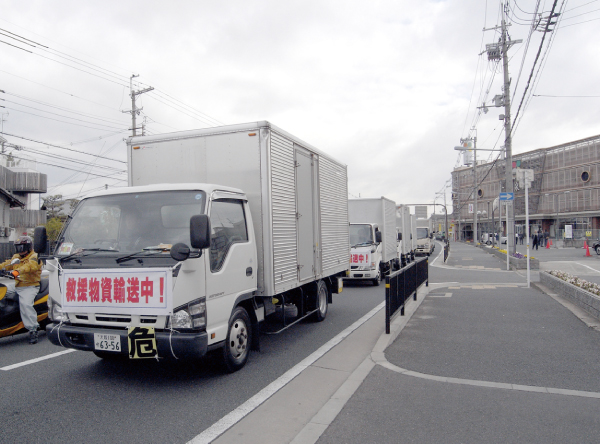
{"points": [[373, 238]]}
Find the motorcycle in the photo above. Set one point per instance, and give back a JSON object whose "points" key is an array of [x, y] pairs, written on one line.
{"points": [[596, 247], [10, 315]]}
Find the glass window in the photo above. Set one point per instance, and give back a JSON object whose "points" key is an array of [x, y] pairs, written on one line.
{"points": [[132, 222], [360, 234], [228, 226]]}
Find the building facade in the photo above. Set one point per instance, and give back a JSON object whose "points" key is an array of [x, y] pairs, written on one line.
{"points": [[564, 197]]}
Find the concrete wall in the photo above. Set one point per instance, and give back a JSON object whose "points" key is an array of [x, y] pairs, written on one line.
{"points": [[583, 299]]}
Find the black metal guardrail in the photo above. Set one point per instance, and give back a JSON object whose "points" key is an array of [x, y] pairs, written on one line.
{"points": [[446, 251], [401, 285]]}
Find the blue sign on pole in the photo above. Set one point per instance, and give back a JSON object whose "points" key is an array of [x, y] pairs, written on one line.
{"points": [[507, 196]]}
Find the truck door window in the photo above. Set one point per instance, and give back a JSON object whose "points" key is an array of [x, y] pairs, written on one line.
{"points": [[228, 226]]}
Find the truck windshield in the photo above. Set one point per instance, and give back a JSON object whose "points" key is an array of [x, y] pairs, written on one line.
{"points": [[422, 233], [132, 222], [360, 234]]}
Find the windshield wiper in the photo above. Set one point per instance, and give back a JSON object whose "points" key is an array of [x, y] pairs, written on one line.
{"points": [[148, 251], [363, 243], [85, 250]]}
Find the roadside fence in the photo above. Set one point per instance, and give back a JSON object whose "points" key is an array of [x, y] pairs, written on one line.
{"points": [[401, 285]]}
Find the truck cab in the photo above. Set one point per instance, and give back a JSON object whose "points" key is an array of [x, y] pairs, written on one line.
{"points": [[365, 253], [144, 265], [425, 243]]}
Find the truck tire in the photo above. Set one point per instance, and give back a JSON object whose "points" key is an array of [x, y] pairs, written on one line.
{"points": [[321, 296], [239, 338], [598, 249], [377, 280]]}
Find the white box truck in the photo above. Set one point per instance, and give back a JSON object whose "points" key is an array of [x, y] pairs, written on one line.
{"points": [[372, 238], [425, 242], [403, 226], [219, 230]]}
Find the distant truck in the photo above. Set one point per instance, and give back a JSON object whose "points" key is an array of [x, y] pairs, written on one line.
{"points": [[219, 230], [403, 227], [373, 238], [425, 242]]}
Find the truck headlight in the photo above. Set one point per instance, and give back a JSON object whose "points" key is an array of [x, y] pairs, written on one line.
{"points": [[55, 312], [191, 315]]}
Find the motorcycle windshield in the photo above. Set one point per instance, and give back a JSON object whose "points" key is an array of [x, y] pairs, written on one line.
{"points": [[127, 223]]}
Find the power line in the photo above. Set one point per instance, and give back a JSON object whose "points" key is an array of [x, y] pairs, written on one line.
{"points": [[58, 90], [62, 147], [62, 167], [536, 58], [545, 95], [60, 108], [59, 115]]}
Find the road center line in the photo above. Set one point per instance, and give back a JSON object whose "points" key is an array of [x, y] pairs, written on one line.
{"points": [[229, 420], [33, 361]]}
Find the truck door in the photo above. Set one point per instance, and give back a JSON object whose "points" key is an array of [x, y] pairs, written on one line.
{"points": [[231, 265], [305, 214]]}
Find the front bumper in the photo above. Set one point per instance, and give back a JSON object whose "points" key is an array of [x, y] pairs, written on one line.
{"points": [[182, 345], [362, 274]]}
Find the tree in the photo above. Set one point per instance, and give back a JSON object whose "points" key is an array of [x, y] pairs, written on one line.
{"points": [[54, 205], [53, 229]]}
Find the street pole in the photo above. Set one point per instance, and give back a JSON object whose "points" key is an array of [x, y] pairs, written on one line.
{"points": [[510, 215], [135, 111], [476, 240], [527, 229]]}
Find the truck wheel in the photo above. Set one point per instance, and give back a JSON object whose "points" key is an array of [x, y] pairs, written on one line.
{"points": [[237, 345], [377, 280], [598, 250], [321, 301]]}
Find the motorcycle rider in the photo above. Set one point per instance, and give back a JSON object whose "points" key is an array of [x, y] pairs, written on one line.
{"points": [[27, 272]]}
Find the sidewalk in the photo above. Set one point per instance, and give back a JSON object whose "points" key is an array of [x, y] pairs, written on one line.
{"points": [[478, 358]]}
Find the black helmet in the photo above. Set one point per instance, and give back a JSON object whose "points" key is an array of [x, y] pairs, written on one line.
{"points": [[24, 244]]}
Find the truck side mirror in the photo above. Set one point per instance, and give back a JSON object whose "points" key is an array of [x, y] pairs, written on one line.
{"points": [[399, 236], [200, 231], [431, 236], [378, 236], [40, 240]]}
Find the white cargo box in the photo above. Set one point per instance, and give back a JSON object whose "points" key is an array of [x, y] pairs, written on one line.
{"points": [[296, 193]]}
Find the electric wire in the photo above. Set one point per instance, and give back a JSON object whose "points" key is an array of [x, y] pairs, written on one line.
{"points": [[62, 147], [534, 64]]}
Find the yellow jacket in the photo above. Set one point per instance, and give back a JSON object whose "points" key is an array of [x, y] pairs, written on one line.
{"points": [[30, 271]]}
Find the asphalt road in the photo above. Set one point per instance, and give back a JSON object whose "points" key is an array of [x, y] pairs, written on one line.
{"points": [[480, 362], [76, 397]]}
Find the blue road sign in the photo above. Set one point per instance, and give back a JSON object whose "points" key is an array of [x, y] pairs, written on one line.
{"points": [[507, 196]]}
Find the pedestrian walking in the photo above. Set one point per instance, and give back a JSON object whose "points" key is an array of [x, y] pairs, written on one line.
{"points": [[521, 238], [535, 241]]}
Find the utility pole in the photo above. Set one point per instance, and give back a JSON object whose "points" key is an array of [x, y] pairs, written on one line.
{"points": [[135, 111], [510, 209], [497, 51]]}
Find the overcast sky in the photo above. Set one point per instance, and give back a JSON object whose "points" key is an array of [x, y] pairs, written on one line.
{"points": [[387, 87]]}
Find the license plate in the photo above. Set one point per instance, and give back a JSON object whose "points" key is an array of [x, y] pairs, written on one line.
{"points": [[106, 342]]}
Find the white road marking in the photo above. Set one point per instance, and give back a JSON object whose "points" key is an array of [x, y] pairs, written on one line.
{"points": [[221, 426], [587, 266], [446, 295], [438, 255], [33, 361]]}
